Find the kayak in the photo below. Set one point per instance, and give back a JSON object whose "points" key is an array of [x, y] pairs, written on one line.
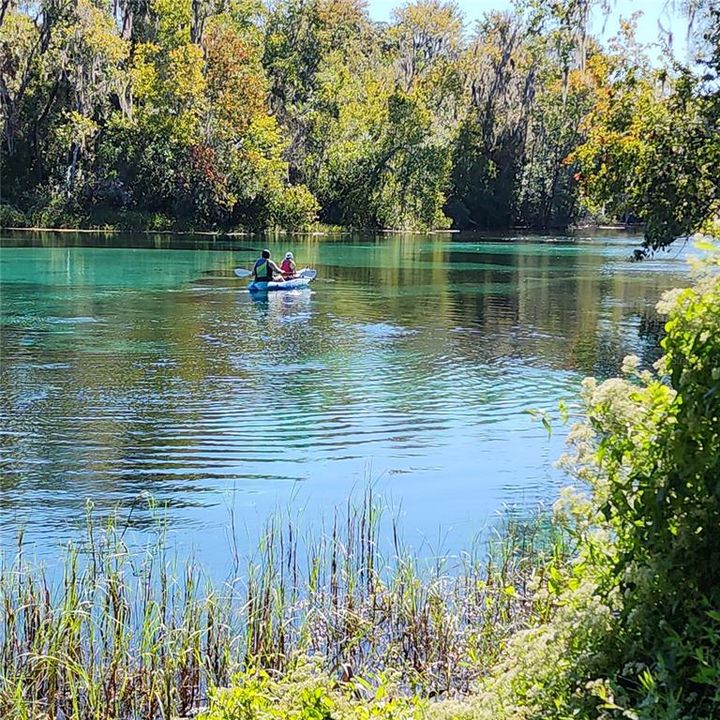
{"points": [[294, 284], [301, 280]]}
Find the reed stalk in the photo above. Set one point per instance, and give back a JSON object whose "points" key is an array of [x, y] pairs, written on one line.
{"points": [[126, 633]]}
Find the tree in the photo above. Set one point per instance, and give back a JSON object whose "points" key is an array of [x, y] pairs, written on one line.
{"points": [[529, 87], [653, 145], [60, 73], [653, 158], [223, 112]]}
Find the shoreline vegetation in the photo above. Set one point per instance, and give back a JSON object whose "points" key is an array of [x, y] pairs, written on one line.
{"points": [[121, 632], [259, 116], [320, 231], [607, 609]]}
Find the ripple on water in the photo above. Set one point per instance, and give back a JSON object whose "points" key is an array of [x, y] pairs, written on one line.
{"points": [[420, 365]]}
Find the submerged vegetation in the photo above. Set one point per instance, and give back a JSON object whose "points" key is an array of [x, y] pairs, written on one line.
{"points": [[241, 114]]}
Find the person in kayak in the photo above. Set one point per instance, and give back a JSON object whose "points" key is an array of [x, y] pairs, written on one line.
{"points": [[287, 267], [265, 270]]}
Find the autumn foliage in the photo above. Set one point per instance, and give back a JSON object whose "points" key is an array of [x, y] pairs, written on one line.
{"points": [[245, 114]]}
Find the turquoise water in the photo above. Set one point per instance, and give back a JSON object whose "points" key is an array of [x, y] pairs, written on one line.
{"points": [[130, 372]]}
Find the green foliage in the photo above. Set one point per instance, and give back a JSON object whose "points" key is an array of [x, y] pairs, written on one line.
{"points": [[154, 114], [658, 459], [524, 118], [652, 149], [12, 217], [387, 169], [307, 694], [634, 631], [156, 107], [293, 207], [653, 159]]}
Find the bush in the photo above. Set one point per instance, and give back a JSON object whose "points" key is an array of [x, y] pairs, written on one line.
{"points": [[307, 694], [293, 208], [636, 628], [650, 451], [657, 486], [12, 217]]}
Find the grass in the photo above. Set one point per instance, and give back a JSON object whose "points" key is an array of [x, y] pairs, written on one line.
{"points": [[137, 634]]}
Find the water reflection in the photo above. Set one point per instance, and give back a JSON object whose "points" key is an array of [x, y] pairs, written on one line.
{"points": [[411, 358]]}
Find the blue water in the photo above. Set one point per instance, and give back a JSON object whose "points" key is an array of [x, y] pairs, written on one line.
{"points": [[135, 372]]}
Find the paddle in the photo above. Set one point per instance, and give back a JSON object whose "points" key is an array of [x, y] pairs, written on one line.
{"points": [[306, 273]]}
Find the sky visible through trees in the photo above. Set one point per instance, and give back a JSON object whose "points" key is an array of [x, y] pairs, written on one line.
{"points": [[657, 16]]}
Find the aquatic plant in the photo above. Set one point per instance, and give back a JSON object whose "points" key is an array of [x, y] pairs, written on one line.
{"points": [[134, 633]]}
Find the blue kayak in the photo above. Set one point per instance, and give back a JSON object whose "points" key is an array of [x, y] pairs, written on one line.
{"points": [[294, 284], [301, 280]]}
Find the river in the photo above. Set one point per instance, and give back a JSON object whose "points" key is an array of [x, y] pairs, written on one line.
{"points": [[140, 367]]}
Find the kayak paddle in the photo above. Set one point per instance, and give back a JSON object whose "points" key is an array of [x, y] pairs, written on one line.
{"points": [[306, 273]]}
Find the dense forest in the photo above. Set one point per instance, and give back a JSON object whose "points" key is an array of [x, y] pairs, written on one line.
{"points": [[240, 114]]}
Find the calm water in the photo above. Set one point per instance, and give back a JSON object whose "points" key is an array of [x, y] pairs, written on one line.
{"points": [[412, 362]]}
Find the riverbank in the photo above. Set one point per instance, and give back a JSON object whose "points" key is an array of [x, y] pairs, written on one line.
{"points": [[14, 220], [128, 222], [127, 632]]}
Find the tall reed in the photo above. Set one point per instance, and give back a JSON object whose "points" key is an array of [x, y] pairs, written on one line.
{"points": [[127, 634]]}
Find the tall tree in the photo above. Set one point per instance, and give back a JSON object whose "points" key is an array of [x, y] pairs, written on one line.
{"points": [[653, 144]]}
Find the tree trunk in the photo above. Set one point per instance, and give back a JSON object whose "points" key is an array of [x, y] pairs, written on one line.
{"points": [[72, 170]]}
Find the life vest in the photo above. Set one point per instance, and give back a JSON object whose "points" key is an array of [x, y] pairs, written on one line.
{"points": [[262, 270], [287, 267]]}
